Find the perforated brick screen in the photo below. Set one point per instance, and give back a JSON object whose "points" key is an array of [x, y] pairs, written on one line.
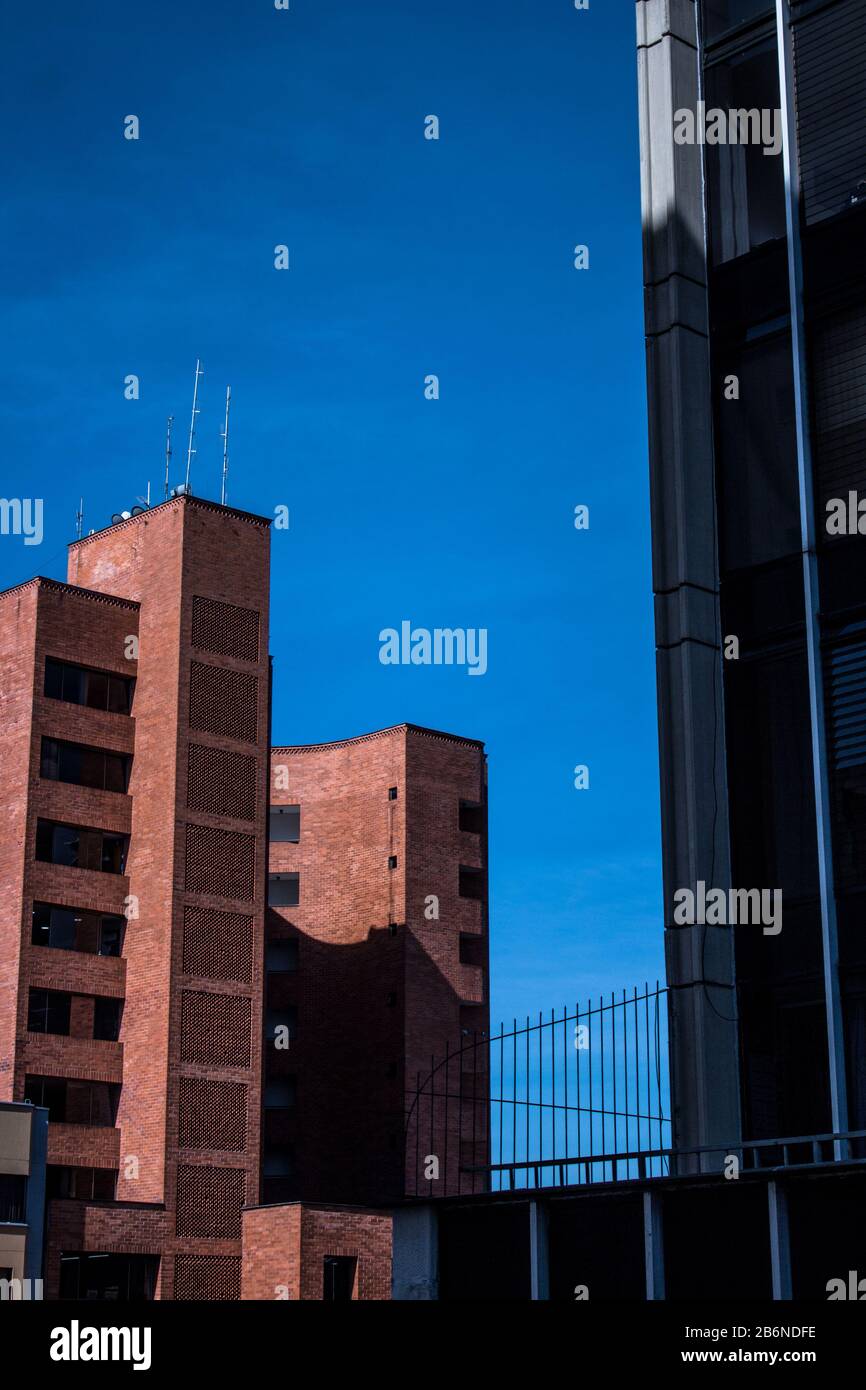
{"points": [[209, 1201], [207, 1278], [213, 1115], [215, 1029], [221, 863], [221, 783], [223, 702], [218, 945], [224, 629]]}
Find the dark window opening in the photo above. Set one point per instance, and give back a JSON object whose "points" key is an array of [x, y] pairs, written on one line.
{"points": [[471, 949], [285, 825], [392, 793], [83, 766], [97, 1278], [281, 1024], [81, 1184], [74, 929], [392, 861], [471, 817], [280, 1093], [106, 1019], [48, 1011], [281, 957], [284, 890], [81, 847], [338, 1282], [13, 1197], [391, 999], [79, 685], [74, 1102], [471, 882]]}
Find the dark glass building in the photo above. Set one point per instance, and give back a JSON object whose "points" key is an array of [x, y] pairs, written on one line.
{"points": [[754, 237]]}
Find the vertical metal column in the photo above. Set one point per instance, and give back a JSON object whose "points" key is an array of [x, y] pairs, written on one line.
{"points": [[653, 1240], [780, 1247], [539, 1270], [832, 993]]}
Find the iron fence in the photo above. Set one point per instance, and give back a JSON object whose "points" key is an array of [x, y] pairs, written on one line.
{"points": [[574, 1098]]}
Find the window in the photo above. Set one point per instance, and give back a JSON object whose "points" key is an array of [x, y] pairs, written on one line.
{"points": [[392, 861], [338, 1283], [106, 1019], [49, 1092], [106, 1278], [74, 1102], [80, 847], [281, 1093], [73, 929], [471, 882], [281, 957], [279, 1161], [279, 1020], [285, 825], [13, 1197], [392, 793], [391, 999], [722, 15], [84, 767], [79, 685], [746, 186], [471, 949], [284, 890], [81, 1184], [48, 1011], [471, 817]]}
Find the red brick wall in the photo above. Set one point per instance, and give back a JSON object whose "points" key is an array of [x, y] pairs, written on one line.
{"points": [[200, 573], [284, 1249], [379, 988]]}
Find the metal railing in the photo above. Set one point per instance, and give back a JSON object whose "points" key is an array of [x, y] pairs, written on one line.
{"points": [[580, 1097]]}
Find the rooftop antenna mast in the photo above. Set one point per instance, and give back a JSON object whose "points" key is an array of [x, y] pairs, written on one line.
{"points": [[168, 426], [79, 519], [224, 435], [195, 411]]}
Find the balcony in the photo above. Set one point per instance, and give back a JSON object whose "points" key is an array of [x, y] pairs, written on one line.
{"points": [[78, 972], [83, 1146], [81, 1059]]}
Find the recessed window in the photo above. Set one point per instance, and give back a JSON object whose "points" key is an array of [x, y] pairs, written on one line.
{"points": [[106, 1019], [471, 882], [279, 1161], [80, 685], [281, 1025], [281, 957], [392, 793], [84, 767], [13, 1198], [80, 847], [81, 1184], [391, 999], [48, 1011], [285, 825], [471, 949], [338, 1278], [284, 890], [471, 817], [392, 861], [75, 929], [281, 1093], [91, 1103]]}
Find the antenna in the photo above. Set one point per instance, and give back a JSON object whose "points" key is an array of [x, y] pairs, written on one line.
{"points": [[79, 520], [168, 426], [224, 436], [195, 411]]}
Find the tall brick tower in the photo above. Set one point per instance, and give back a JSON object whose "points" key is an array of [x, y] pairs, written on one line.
{"points": [[135, 737], [376, 961]]}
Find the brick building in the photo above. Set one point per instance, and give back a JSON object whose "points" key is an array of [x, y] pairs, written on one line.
{"points": [[134, 859]]}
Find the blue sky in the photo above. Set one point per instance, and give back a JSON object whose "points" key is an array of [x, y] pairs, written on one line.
{"points": [[408, 257]]}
